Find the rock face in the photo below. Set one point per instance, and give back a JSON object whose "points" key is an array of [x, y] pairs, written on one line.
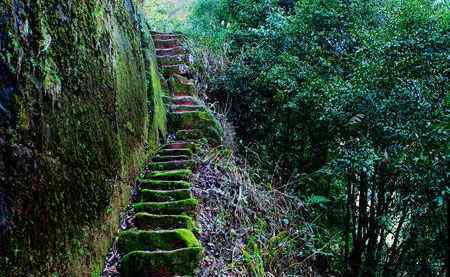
{"points": [[78, 80]]}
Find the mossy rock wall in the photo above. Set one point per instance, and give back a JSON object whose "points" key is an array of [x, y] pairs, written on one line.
{"points": [[78, 81]]}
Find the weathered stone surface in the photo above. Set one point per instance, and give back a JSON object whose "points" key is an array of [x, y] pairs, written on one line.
{"points": [[148, 195], [171, 165], [186, 206], [169, 175], [135, 240], [146, 221], [161, 263], [163, 184]]}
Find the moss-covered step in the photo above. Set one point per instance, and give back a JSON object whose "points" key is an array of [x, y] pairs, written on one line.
{"points": [[178, 50], [161, 263], [175, 152], [135, 240], [146, 221], [193, 120], [163, 184], [170, 158], [148, 195], [184, 100], [166, 43], [171, 165], [175, 59], [186, 206], [179, 84], [187, 108], [180, 145], [169, 175], [213, 136], [171, 69]]}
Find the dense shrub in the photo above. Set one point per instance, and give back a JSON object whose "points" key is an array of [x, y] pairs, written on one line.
{"points": [[347, 101]]}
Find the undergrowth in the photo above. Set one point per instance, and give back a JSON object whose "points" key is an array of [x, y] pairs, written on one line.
{"points": [[248, 228]]}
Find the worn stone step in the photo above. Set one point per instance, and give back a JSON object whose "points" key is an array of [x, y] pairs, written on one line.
{"points": [[213, 136], [175, 151], [171, 59], [180, 85], [182, 262], [193, 120], [148, 195], [146, 221], [163, 184], [169, 175], [180, 145], [186, 206], [187, 108], [178, 50], [135, 240], [184, 100], [171, 69], [172, 164], [170, 158], [166, 43]]}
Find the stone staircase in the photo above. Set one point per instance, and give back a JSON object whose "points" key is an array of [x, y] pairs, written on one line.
{"points": [[163, 240]]}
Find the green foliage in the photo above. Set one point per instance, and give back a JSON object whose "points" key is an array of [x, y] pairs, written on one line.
{"points": [[348, 101]]}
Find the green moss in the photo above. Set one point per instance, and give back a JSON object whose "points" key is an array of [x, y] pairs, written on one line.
{"points": [[135, 240], [163, 196], [167, 263], [194, 120], [211, 134], [83, 117], [186, 206], [163, 184], [170, 165], [176, 86], [192, 108], [155, 222], [170, 175]]}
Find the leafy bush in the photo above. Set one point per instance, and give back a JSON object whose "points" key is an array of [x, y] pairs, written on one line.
{"points": [[347, 100]]}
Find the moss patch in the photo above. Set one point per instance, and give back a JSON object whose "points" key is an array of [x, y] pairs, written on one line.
{"points": [[165, 263], [170, 175], [148, 221], [164, 195], [163, 185], [135, 240], [186, 206]]}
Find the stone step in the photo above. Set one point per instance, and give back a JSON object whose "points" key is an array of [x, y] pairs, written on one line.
{"points": [[135, 240], [187, 108], [146, 221], [171, 69], [186, 206], [174, 59], [163, 35], [148, 195], [175, 152], [184, 100], [169, 175], [213, 136], [172, 164], [170, 158], [161, 263], [193, 120], [163, 184], [180, 145], [178, 50], [166, 43]]}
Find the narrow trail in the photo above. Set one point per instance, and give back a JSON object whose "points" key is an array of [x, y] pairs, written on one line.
{"points": [[162, 239]]}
